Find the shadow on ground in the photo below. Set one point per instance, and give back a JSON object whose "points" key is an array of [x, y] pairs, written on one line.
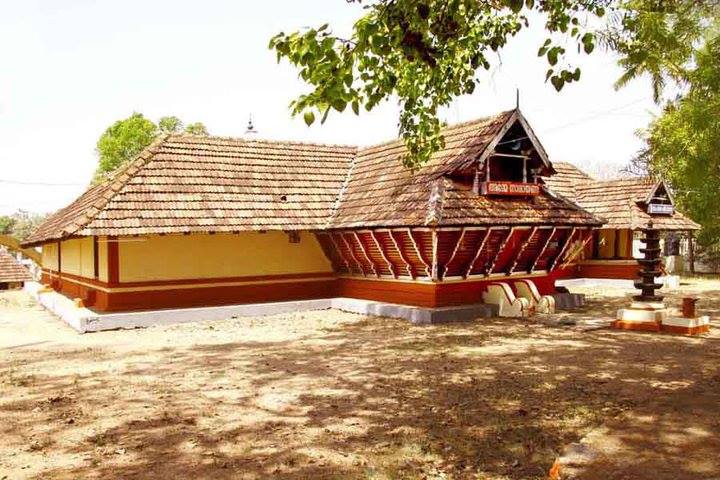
{"points": [[369, 398]]}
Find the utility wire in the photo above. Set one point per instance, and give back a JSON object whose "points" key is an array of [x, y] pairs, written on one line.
{"points": [[43, 184], [593, 116]]}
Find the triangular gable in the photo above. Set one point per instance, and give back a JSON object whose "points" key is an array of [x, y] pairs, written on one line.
{"points": [[518, 117], [653, 192]]}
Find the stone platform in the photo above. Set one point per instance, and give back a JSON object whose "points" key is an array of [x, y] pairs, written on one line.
{"points": [[86, 320], [654, 317]]}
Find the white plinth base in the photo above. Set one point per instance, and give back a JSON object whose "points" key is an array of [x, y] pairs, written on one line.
{"points": [[686, 326], [659, 320]]}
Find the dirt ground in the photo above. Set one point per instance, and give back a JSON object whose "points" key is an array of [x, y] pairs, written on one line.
{"points": [[337, 395]]}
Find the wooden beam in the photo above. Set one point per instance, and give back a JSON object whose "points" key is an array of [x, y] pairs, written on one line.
{"points": [[555, 260], [365, 254], [500, 249], [435, 272], [408, 265], [521, 250], [542, 250], [471, 265], [382, 253], [339, 252], [454, 252], [352, 254], [691, 250], [582, 247], [419, 254]]}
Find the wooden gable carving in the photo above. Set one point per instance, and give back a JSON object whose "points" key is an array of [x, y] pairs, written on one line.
{"points": [[660, 201]]}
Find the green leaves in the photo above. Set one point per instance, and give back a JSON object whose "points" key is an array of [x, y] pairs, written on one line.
{"points": [[126, 138], [424, 53], [309, 118]]}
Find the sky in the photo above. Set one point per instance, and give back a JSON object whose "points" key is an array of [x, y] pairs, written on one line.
{"points": [[70, 68]]}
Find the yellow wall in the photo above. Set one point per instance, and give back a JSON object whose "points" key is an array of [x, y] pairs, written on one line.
{"points": [[77, 257], [625, 243], [171, 257], [102, 259], [50, 256], [606, 247]]}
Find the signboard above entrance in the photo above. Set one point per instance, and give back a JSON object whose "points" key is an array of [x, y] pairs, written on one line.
{"points": [[660, 209], [509, 188]]}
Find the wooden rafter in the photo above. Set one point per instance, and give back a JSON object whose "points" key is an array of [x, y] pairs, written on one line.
{"points": [[383, 254], [521, 250], [500, 249], [471, 265], [582, 247], [352, 254], [408, 265], [340, 252], [419, 253], [454, 252], [551, 267], [435, 272], [375, 270], [542, 250]]}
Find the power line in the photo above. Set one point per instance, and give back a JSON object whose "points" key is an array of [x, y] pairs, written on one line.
{"points": [[42, 184], [593, 116]]}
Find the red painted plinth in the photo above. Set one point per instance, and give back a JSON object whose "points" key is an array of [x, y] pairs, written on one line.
{"points": [[657, 327]]}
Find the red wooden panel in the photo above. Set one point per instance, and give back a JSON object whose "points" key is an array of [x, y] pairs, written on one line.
{"points": [[447, 241], [465, 253], [510, 250], [371, 247], [490, 250], [532, 249], [358, 254], [331, 253]]}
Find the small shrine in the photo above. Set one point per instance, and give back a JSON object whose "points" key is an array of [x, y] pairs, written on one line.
{"points": [[647, 310]]}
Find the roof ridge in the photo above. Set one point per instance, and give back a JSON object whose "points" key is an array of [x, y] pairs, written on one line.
{"points": [[261, 140], [448, 126], [341, 193], [435, 202], [115, 183]]}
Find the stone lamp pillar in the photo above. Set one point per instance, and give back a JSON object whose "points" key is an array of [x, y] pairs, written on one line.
{"points": [[647, 311]]}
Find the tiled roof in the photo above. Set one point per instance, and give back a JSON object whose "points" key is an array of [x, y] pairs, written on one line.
{"points": [[11, 270], [568, 177], [621, 202], [185, 183]]}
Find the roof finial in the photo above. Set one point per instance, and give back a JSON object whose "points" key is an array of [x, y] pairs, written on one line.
{"points": [[250, 127], [517, 99]]}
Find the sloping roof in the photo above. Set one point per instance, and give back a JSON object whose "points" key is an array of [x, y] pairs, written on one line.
{"points": [[567, 179], [11, 270], [186, 183], [621, 202]]}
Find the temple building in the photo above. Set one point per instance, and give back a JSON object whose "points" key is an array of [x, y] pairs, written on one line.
{"points": [[199, 221], [12, 273], [627, 205]]}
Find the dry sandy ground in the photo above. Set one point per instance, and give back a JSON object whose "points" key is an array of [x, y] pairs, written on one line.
{"points": [[336, 395]]}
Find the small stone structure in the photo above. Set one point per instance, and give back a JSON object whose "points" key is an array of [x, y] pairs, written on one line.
{"points": [[648, 311]]}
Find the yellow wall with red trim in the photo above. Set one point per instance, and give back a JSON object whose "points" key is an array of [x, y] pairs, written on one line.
{"points": [[171, 257], [102, 247], [50, 256], [77, 257]]}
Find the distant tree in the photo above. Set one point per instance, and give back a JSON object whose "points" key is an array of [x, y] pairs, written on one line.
{"points": [[683, 147], [170, 124], [126, 138], [122, 141], [196, 128], [20, 224], [6, 224]]}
